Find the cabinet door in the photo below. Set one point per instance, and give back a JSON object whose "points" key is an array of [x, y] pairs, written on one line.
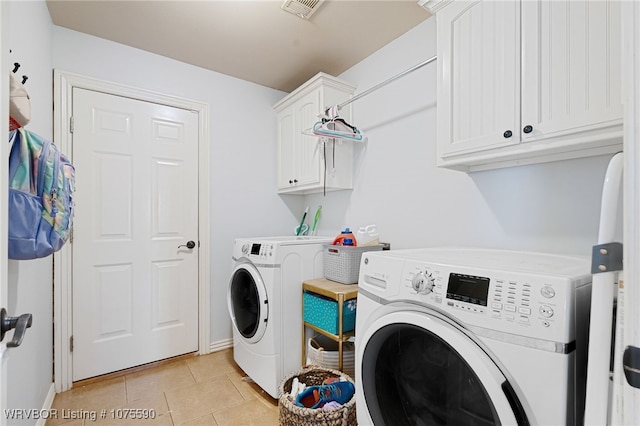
{"points": [[571, 67], [307, 154], [479, 68], [286, 141]]}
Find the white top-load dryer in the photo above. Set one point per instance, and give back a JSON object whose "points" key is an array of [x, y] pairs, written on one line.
{"points": [[471, 336], [265, 303]]}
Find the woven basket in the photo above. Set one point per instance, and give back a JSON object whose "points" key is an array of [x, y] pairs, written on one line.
{"points": [[293, 415], [323, 352]]}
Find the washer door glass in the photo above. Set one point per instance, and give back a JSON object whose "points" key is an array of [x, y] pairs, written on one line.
{"points": [[418, 369], [248, 303]]}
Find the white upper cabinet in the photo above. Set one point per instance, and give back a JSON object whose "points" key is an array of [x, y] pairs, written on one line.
{"points": [[305, 164], [522, 82], [479, 67], [571, 67]]}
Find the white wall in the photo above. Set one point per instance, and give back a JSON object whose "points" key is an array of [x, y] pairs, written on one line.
{"points": [[244, 201], [30, 366], [550, 207]]}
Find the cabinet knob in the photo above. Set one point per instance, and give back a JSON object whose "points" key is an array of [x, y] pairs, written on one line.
{"points": [[507, 134], [527, 129]]}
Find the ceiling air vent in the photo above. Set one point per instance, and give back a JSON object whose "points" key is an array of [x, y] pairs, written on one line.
{"points": [[302, 8]]}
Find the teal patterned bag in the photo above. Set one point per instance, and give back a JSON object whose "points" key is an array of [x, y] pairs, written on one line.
{"points": [[41, 185]]}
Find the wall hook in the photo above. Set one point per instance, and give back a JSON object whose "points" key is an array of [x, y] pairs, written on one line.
{"points": [[15, 67], [24, 79]]}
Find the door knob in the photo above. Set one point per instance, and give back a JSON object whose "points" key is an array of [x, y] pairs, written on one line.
{"points": [[527, 129], [189, 245], [20, 323]]}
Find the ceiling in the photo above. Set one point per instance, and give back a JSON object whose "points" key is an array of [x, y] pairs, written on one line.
{"points": [[254, 40]]}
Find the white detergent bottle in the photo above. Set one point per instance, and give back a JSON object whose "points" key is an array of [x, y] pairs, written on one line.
{"points": [[368, 235]]}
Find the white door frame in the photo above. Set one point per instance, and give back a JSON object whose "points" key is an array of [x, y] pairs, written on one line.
{"points": [[630, 410], [63, 84], [4, 191]]}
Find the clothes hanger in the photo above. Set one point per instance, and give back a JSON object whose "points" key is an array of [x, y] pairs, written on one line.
{"points": [[325, 129], [331, 125], [332, 115]]}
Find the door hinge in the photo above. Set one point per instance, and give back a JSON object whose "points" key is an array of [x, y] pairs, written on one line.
{"points": [[71, 124], [71, 344]]}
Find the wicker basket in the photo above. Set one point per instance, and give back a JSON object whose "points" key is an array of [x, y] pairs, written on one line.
{"points": [[323, 351], [293, 415]]}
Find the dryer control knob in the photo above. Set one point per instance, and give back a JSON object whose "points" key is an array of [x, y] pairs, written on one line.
{"points": [[423, 283]]}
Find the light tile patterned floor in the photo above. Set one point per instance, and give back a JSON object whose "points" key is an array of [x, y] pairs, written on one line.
{"points": [[204, 390]]}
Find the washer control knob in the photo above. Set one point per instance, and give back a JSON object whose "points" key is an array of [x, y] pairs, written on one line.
{"points": [[547, 291], [423, 283], [245, 249]]}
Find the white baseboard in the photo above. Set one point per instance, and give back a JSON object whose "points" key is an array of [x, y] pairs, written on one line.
{"points": [[221, 345], [46, 406]]}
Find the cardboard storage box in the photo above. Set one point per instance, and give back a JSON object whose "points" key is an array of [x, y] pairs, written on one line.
{"points": [[322, 312]]}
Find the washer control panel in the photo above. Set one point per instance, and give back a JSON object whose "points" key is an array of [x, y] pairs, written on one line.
{"points": [[525, 304], [258, 250]]}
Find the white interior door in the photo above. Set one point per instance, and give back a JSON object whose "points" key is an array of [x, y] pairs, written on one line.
{"points": [[135, 290]]}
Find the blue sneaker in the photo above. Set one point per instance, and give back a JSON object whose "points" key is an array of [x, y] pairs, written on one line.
{"points": [[317, 396], [309, 397], [340, 392]]}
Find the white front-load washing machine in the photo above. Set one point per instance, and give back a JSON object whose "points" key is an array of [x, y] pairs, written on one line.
{"points": [[264, 297], [456, 336]]}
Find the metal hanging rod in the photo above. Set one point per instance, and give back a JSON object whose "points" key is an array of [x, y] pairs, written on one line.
{"points": [[384, 83]]}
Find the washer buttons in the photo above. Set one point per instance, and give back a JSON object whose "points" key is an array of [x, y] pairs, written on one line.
{"points": [[546, 311], [525, 311]]}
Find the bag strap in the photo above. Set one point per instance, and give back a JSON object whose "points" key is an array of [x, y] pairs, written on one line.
{"points": [[54, 184], [14, 156], [42, 162]]}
